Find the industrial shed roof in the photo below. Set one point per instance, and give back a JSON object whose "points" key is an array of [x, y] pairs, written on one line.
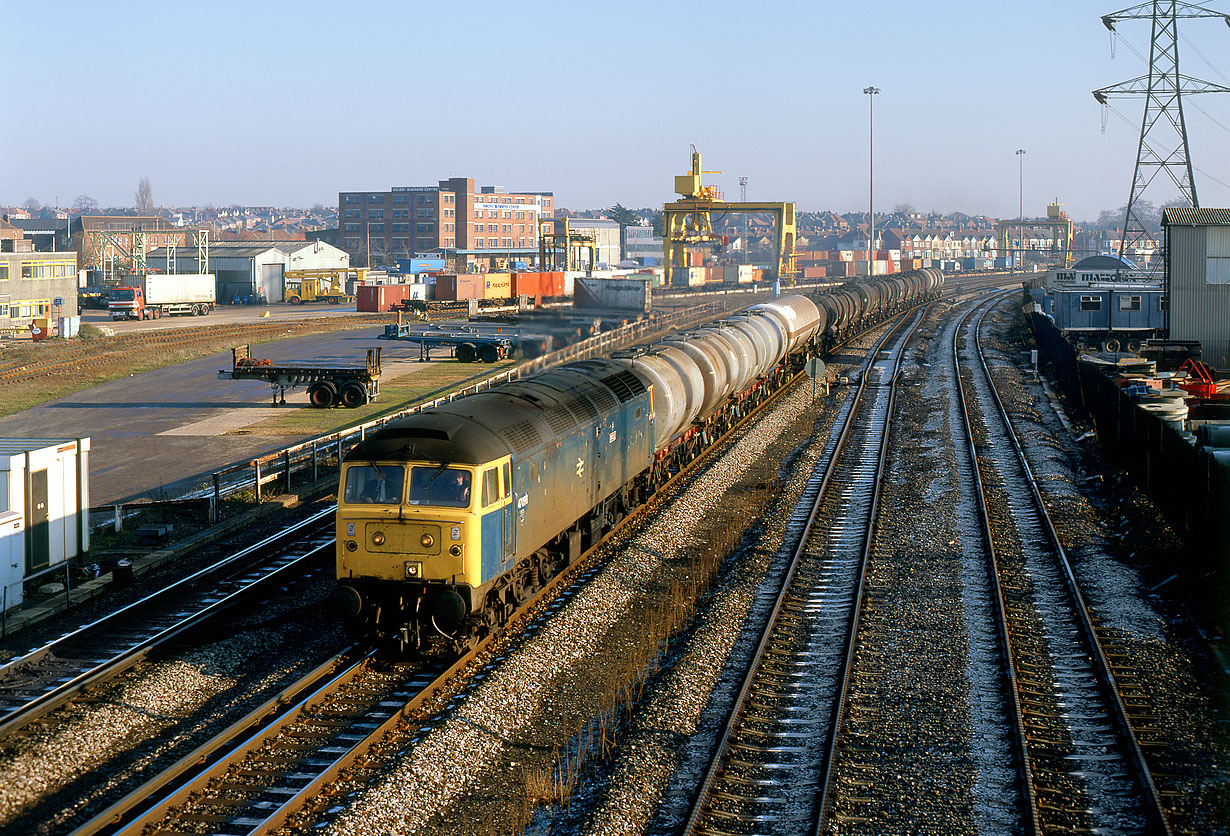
{"points": [[1196, 217]]}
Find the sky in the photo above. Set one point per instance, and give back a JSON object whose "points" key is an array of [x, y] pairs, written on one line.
{"points": [[288, 103]]}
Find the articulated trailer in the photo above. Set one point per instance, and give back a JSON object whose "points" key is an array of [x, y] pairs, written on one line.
{"points": [[327, 386], [466, 344]]}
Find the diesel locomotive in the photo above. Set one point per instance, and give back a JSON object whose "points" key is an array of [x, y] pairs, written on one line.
{"points": [[450, 518]]}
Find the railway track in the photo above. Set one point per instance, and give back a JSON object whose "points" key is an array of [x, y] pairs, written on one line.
{"points": [[280, 775], [1080, 762], [46, 678], [768, 768]]}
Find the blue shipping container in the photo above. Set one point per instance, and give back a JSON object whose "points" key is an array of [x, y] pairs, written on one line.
{"points": [[415, 266]]}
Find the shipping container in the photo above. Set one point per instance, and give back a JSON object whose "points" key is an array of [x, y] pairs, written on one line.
{"points": [[414, 266], [497, 286], [379, 298], [816, 272], [687, 276]]}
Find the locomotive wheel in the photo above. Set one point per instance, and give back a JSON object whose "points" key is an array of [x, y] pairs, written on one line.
{"points": [[466, 353], [353, 394], [322, 395], [489, 354]]}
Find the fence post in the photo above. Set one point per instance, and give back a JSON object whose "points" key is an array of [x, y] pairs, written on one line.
{"points": [[288, 471], [119, 518], [213, 511], [257, 465], [339, 452], [68, 582], [315, 464]]}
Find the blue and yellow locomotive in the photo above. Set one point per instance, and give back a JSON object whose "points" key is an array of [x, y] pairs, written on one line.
{"points": [[450, 518]]}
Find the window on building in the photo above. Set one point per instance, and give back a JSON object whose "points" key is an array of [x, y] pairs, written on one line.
{"points": [[478, 227], [4, 272], [478, 242], [352, 227], [27, 271], [376, 198], [4, 310], [1091, 303], [375, 228], [1129, 303], [351, 243]]}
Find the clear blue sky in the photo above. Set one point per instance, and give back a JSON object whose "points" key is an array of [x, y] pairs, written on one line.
{"points": [[244, 103]]}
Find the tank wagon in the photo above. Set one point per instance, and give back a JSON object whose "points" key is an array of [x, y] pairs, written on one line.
{"points": [[449, 519]]}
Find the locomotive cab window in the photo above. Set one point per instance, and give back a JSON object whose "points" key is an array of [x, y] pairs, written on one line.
{"points": [[491, 486], [507, 479], [435, 485], [377, 484]]}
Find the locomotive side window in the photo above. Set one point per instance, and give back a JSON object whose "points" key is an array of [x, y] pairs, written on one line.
{"points": [[507, 479], [374, 484], [439, 486], [491, 486]]}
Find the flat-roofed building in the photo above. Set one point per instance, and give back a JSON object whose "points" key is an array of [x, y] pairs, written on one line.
{"points": [[1198, 279], [32, 282], [453, 218]]}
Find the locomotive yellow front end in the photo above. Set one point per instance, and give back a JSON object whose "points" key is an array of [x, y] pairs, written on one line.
{"points": [[409, 546]]}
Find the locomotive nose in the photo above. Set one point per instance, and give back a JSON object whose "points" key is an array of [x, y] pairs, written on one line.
{"points": [[346, 601]]}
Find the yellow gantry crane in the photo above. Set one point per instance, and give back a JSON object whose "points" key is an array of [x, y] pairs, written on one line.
{"points": [[688, 221]]}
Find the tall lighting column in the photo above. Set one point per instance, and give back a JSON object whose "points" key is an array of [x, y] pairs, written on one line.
{"points": [[1020, 206], [871, 177]]}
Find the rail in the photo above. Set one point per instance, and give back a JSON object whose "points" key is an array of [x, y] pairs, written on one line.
{"points": [[1112, 701]]}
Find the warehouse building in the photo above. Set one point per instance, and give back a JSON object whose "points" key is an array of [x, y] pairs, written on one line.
{"points": [[1198, 279], [252, 270]]}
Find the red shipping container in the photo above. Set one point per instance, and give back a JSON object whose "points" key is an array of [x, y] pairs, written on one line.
{"points": [[377, 298], [696, 259], [446, 287]]}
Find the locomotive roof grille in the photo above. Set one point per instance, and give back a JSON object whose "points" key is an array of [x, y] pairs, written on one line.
{"points": [[624, 384], [560, 420], [523, 436], [603, 399]]}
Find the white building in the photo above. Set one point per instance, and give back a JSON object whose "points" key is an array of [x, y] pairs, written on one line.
{"points": [[254, 268]]}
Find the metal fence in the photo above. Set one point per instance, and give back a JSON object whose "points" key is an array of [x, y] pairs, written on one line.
{"points": [[1184, 481]]}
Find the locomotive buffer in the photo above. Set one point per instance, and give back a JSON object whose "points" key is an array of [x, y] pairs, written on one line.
{"points": [[327, 385], [466, 344]]}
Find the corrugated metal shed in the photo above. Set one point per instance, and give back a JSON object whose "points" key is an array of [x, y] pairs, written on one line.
{"points": [[1198, 217], [1198, 273]]}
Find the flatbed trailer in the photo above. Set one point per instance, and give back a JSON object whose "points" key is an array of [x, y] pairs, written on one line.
{"points": [[327, 386], [465, 344]]}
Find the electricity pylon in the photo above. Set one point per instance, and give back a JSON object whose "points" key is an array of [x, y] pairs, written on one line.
{"points": [[1163, 132]]}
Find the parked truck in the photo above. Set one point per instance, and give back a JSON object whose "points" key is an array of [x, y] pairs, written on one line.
{"points": [[155, 295]]}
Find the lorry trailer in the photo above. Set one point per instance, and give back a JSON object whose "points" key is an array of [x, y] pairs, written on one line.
{"points": [[327, 386], [154, 295], [466, 344]]}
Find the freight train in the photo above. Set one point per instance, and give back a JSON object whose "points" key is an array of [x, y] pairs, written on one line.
{"points": [[449, 519]]}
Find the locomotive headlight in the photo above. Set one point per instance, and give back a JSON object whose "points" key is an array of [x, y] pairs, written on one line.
{"points": [[351, 545], [455, 550], [427, 541], [378, 538]]}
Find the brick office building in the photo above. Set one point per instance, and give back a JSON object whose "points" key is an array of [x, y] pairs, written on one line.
{"points": [[452, 218]]}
